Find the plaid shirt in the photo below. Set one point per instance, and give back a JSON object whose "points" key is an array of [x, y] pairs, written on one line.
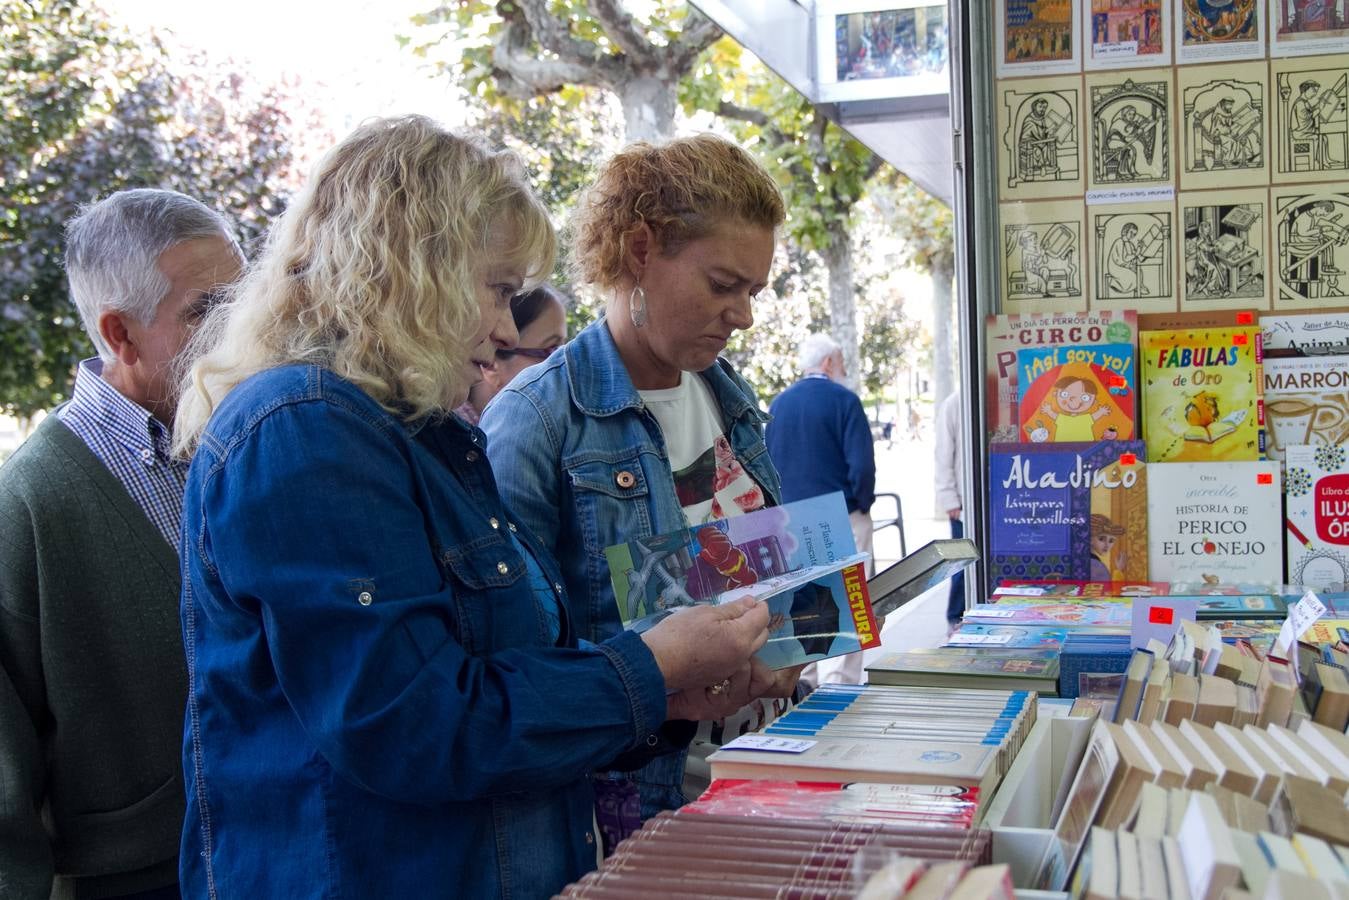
{"points": [[132, 443]]}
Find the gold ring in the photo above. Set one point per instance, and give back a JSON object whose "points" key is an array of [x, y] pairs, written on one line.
{"points": [[720, 687]]}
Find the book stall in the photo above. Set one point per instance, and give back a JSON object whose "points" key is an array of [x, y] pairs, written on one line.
{"points": [[1149, 693]]}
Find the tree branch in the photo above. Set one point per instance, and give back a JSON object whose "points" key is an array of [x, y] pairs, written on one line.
{"points": [[623, 30], [698, 34], [729, 110], [523, 74], [551, 33]]}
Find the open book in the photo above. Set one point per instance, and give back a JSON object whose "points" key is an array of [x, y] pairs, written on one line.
{"points": [[799, 557]]}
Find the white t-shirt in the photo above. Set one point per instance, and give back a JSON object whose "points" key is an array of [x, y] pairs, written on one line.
{"points": [[711, 484], [709, 480]]}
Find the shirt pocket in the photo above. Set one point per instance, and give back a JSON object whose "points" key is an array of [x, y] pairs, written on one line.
{"points": [[612, 496], [494, 605]]}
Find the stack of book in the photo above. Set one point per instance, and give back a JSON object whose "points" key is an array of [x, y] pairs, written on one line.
{"points": [[885, 734], [1255, 779], [917, 805], [1188, 845], [693, 854]]}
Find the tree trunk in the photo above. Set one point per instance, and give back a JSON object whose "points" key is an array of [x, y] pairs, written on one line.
{"points": [[648, 108], [944, 324], [843, 303]]}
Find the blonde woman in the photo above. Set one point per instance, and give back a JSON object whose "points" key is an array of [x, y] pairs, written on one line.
{"points": [[638, 427], [387, 697]]}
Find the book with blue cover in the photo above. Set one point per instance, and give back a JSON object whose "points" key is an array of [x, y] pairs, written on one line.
{"points": [[799, 558], [1090, 654], [1075, 512]]}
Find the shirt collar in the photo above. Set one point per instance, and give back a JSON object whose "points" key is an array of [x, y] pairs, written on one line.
{"points": [[109, 409]]}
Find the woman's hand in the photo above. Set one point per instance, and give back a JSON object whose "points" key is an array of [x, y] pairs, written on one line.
{"points": [[771, 683], [716, 701], [703, 645]]}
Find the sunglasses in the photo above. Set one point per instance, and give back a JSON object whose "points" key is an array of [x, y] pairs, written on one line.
{"points": [[539, 353]]}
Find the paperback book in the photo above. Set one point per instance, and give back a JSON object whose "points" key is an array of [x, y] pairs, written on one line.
{"points": [[1005, 335], [1013, 611], [1306, 333], [1306, 401], [799, 557], [1009, 637], [1215, 522], [1318, 516], [969, 667], [1202, 394], [1076, 393], [1068, 511]]}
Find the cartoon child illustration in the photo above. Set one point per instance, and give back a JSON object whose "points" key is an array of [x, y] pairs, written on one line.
{"points": [[1104, 535], [1074, 416]]}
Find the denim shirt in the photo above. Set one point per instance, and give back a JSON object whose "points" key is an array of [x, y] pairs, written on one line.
{"points": [[375, 707], [584, 465]]}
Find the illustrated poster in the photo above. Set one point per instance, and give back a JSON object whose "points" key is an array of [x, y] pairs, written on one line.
{"points": [[1133, 249], [1126, 34], [1040, 138], [1044, 266], [1311, 127], [1302, 27], [1311, 247], [1130, 129], [1039, 37], [1224, 136], [1219, 30], [1223, 249]]}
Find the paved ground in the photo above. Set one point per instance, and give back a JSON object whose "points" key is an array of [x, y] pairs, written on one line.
{"points": [[906, 469]]}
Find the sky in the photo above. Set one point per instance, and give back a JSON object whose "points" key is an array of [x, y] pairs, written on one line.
{"points": [[343, 50]]}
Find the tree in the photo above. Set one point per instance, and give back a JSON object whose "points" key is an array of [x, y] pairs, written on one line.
{"points": [[822, 169], [926, 228], [513, 50], [90, 111]]}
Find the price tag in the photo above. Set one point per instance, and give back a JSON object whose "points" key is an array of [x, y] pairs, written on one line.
{"points": [[1161, 615], [768, 743], [1245, 318], [1027, 591], [1301, 616], [1239, 339], [958, 639], [1264, 478], [1128, 459]]}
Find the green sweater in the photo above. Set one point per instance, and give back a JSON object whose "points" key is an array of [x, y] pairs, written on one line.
{"points": [[93, 681]]}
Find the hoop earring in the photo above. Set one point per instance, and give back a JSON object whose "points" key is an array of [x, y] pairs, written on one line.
{"points": [[637, 308]]}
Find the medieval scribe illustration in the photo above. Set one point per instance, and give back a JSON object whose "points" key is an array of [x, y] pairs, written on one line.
{"points": [[1040, 140], [1133, 255], [1300, 27], [1312, 130], [1213, 30], [1224, 128], [1130, 137], [1311, 246], [1224, 251], [1043, 261]]}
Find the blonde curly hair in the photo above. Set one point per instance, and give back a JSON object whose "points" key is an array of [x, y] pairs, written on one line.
{"points": [[371, 272], [683, 190]]}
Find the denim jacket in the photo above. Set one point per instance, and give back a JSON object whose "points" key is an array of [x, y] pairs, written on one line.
{"points": [[375, 708], [583, 463]]}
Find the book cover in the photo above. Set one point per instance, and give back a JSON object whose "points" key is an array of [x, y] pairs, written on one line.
{"points": [[971, 667], [1076, 393], [1010, 611], [1306, 401], [1006, 334], [1114, 591], [1201, 391], [799, 557], [1305, 332], [1318, 516], [1068, 511], [1215, 522]]}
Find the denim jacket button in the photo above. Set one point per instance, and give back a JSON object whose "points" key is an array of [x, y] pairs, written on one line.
{"points": [[471, 456], [557, 588], [494, 523], [511, 526], [503, 568], [364, 598], [625, 479]]}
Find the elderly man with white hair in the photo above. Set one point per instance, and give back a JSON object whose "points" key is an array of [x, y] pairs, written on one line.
{"points": [[820, 442], [92, 676]]}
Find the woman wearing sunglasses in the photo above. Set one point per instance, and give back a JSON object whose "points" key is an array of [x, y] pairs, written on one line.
{"points": [[541, 320]]}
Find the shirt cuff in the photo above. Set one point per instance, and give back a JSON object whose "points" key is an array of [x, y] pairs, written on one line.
{"points": [[641, 679]]}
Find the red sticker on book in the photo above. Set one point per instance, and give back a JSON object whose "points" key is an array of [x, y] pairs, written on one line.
{"points": [[1118, 381], [1238, 338], [1128, 459], [1245, 318], [1264, 478], [1161, 615]]}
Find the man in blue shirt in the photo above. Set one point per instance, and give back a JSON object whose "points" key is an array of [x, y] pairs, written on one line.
{"points": [[820, 442]]}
